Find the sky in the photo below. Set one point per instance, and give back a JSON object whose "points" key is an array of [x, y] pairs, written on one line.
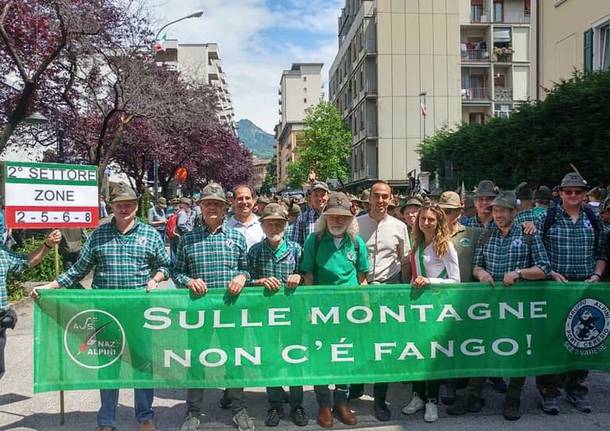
{"points": [[258, 39]]}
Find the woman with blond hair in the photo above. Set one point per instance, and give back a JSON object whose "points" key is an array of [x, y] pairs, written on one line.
{"points": [[434, 260]]}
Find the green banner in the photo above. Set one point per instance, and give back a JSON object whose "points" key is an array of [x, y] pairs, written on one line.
{"points": [[316, 335]]}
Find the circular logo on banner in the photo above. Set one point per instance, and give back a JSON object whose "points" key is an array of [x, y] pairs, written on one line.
{"points": [[587, 327], [94, 339]]}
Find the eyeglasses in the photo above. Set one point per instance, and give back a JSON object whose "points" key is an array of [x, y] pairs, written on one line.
{"points": [[573, 192]]}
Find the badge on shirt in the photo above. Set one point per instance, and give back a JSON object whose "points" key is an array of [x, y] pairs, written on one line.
{"points": [[465, 242], [141, 240], [351, 256], [517, 242], [230, 243], [587, 224]]}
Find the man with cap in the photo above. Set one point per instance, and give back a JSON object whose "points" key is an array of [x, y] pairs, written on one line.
{"points": [[186, 217], [157, 218], [543, 197], [409, 211], [274, 262], [244, 220], [387, 243], [294, 211], [335, 255], [574, 241], [213, 256], [317, 196], [364, 200], [261, 202], [504, 254], [123, 255], [483, 196], [469, 209], [525, 201], [355, 204]]}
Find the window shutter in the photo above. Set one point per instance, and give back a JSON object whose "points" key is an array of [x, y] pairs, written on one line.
{"points": [[606, 59], [588, 51]]}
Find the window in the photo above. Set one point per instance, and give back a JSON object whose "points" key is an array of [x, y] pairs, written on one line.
{"points": [[597, 47], [603, 42], [476, 10], [498, 10], [305, 100], [476, 118]]}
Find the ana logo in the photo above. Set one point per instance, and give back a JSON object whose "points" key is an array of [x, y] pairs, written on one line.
{"points": [[465, 242], [94, 339], [587, 327]]}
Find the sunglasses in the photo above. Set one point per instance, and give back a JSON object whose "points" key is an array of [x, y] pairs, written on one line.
{"points": [[573, 192]]}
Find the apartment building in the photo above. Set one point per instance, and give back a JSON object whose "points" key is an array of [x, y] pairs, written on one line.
{"points": [[573, 35], [200, 62], [406, 68], [300, 89]]}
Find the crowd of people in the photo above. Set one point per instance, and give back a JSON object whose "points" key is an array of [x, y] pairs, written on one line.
{"points": [[233, 240]]}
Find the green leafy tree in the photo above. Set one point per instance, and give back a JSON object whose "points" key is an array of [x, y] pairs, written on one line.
{"points": [[271, 176], [324, 148], [537, 143]]}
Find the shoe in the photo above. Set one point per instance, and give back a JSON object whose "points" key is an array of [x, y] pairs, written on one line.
{"points": [[273, 417], [382, 412], [225, 402], [498, 384], [146, 426], [243, 421], [414, 406], [355, 392], [345, 415], [449, 397], [512, 409], [550, 405], [469, 403], [298, 416], [581, 402], [191, 423], [325, 417], [431, 411]]}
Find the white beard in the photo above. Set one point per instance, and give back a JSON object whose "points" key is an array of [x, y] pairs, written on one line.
{"points": [[336, 231], [275, 238]]}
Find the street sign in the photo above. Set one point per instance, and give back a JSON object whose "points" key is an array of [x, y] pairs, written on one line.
{"points": [[50, 195]]}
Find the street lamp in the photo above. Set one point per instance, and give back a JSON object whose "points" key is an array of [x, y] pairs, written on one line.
{"points": [[196, 14], [37, 119]]}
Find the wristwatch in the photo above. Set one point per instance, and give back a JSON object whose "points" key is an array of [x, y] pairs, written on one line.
{"points": [[520, 274]]}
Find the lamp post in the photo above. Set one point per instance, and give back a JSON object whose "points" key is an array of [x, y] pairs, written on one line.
{"points": [[37, 119], [196, 14]]}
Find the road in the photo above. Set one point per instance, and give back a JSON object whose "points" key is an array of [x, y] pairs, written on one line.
{"points": [[20, 409]]}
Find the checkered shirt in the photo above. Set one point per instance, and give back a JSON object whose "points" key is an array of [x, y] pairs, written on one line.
{"points": [[264, 262], [474, 222], [304, 225], [571, 246], [215, 257], [523, 216], [501, 254], [120, 261], [9, 262]]}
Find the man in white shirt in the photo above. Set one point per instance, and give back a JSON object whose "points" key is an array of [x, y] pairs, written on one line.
{"points": [[387, 242], [244, 220]]}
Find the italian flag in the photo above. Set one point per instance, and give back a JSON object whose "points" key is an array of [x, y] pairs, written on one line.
{"points": [[160, 44]]}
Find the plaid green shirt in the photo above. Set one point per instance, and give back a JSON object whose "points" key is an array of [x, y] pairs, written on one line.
{"points": [[571, 246], [9, 262], [121, 261], [474, 222], [501, 254], [264, 262], [523, 216], [215, 257], [304, 225]]}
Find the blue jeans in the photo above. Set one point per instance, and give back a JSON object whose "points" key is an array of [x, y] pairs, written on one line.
{"points": [[143, 399]]}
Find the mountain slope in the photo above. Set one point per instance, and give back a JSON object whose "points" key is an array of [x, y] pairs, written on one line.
{"points": [[255, 139]]}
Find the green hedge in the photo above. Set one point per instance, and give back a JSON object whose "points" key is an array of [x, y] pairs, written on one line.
{"points": [[536, 144]]}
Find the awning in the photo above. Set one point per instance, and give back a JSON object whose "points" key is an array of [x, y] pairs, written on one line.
{"points": [[501, 34]]}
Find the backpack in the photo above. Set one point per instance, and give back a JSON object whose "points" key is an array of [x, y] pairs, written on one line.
{"points": [[170, 226], [551, 214]]}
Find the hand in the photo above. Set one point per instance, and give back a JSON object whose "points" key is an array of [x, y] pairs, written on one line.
{"points": [[510, 278], [558, 277], [420, 282], [236, 285], [270, 283], [293, 281], [485, 277], [529, 228], [152, 284], [53, 238], [197, 286], [35, 294], [593, 279]]}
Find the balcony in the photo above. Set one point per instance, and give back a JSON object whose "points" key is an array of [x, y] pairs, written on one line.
{"points": [[478, 16], [502, 114], [475, 55], [476, 94], [513, 18], [503, 94]]}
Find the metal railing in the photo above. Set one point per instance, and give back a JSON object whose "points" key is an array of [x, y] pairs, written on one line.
{"points": [[475, 55], [502, 114], [476, 93], [503, 94], [513, 18], [483, 17]]}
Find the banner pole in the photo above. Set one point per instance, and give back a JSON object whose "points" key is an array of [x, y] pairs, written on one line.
{"points": [[62, 416]]}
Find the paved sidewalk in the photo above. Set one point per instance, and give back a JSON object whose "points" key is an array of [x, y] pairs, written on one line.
{"points": [[20, 409]]}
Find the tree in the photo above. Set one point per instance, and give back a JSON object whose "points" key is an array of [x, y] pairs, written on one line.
{"points": [[537, 143], [325, 147], [270, 176]]}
